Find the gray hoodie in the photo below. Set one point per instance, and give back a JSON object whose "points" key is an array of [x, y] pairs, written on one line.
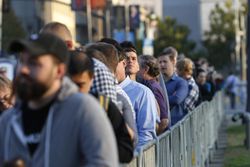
{"points": [[76, 133]]}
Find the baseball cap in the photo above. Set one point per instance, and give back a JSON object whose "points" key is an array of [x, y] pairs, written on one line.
{"points": [[44, 43]]}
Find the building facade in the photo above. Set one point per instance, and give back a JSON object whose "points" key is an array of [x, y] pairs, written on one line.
{"points": [[192, 13]]}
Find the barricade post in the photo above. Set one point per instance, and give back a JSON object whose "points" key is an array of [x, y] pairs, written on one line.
{"points": [[189, 142]]}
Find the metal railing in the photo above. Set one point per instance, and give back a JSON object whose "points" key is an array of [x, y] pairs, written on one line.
{"points": [[188, 143]]}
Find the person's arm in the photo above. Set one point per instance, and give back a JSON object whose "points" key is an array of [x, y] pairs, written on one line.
{"points": [[180, 93], [96, 137], [163, 111], [162, 126], [129, 116]]}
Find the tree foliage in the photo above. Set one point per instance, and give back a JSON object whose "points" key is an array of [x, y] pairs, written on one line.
{"points": [[220, 39], [170, 33]]}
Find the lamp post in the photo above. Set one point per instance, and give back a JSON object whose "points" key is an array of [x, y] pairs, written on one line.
{"points": [[248, 58], [89, 19], [108, 18], [127, 19]]}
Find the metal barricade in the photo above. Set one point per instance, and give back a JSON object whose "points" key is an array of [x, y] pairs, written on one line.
{"points": [[147, 157], [188, 143], [175, 145], [165, 149]]}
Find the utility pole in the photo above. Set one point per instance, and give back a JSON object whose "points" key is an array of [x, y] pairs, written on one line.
{"points": [[127, 19], [89, 19], [248, 58], [237, 35], [108, 18]]}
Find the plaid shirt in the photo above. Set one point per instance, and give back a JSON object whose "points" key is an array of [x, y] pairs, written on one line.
{"points": [[104, 81], [192, 97]]}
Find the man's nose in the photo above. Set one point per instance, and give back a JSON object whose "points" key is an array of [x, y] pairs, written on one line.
{"points": [[129, 60], [23, 69]]}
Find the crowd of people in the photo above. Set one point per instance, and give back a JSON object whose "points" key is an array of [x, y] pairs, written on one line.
{"points": [[93, 105]]}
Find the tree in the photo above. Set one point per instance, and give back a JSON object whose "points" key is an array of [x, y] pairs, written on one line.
{"points": [[172, 34], [12, 29], [220, 39]]}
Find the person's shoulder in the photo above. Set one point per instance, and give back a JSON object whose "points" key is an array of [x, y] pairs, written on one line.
{"points": [[7, 116], [81, 99], [181, 81], [140, 87], [178, 78]]}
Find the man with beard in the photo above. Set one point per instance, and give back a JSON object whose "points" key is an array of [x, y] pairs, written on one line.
{"points": [[51, 123]]}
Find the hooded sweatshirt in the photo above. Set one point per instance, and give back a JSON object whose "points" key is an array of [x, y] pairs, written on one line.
{"points": [[76, 133]]}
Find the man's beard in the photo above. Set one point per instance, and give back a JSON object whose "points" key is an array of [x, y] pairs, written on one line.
{"points": [[26, 88]]}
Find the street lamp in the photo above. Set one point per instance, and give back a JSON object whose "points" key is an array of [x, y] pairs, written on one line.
{"points": [[248, 58]]}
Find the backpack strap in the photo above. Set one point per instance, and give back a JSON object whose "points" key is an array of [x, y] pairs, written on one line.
{"points": [[104, 101]]}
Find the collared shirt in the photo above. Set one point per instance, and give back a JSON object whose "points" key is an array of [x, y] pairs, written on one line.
{"points": [[127, 108], [120, 91], [155, 87], [104, 81], [145, 108], [177, 89], [193, 95]]}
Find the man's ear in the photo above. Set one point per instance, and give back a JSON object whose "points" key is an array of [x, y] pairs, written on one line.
{"points": [[146, 69], [124, 62], [61, 70], [69, 44]]}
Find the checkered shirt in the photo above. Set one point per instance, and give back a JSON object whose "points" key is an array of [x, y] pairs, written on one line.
{"points": [[104, 81], [192, 97]]}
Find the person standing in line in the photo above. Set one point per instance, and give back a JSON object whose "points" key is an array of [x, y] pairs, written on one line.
{"points": [[185, 70], [132, 66], [147, 75], [81, 71], [52, 124], [177, 87], [142, 100], [105, 83]]}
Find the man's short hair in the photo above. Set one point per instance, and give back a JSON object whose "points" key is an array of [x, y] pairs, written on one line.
{"points": [[128, 46], [151, 63], [109, 51], [121, 54], [79, 62], [200, 70], [59, 29], [171, 52]]}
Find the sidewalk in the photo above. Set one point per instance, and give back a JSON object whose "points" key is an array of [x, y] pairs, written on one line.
{"points": [[218, 158]]}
